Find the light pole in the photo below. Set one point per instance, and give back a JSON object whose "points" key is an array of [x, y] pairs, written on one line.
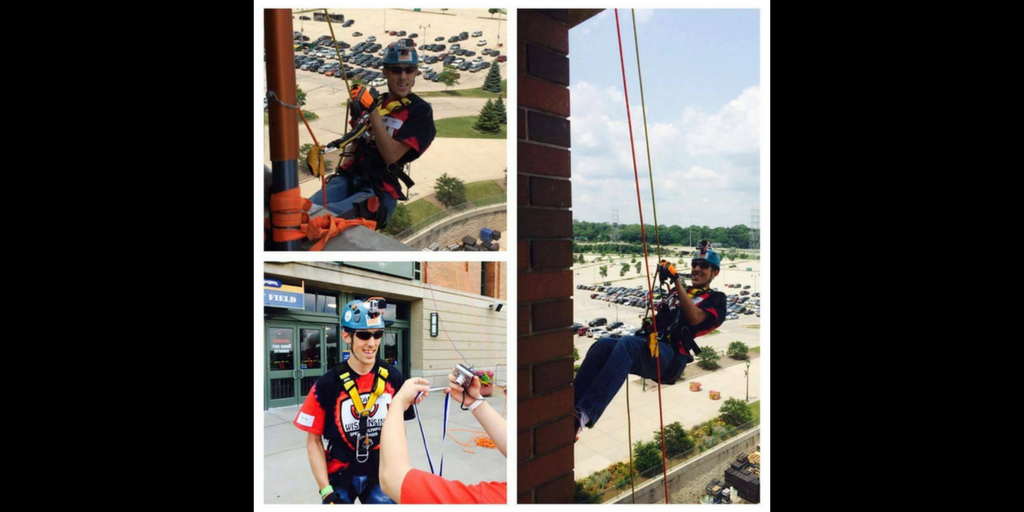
{"points": [[747, 374], [425, 32]]}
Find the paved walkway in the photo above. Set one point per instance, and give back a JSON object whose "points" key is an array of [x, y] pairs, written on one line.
{"points": [[607, 443], [287, 477]]}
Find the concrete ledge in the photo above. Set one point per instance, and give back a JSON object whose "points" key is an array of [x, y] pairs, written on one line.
{"points": [[431, 233], [653, 491]]}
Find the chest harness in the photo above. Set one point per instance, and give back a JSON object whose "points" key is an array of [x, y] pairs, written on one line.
{"points": [[363, 410]]}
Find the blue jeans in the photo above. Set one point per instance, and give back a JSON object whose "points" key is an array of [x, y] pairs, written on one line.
{"points": [[610, 361], [343, 192], [364, 487]]}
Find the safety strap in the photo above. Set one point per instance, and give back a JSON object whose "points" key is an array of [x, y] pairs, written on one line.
{"points": [[444, 435], [353, 391]]}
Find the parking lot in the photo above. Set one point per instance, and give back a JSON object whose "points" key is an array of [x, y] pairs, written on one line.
{"points": [[469, 160], [606, 443]]}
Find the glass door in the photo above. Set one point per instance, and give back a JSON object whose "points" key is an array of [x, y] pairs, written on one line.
{"points": [[391, 347], [295, 360]]}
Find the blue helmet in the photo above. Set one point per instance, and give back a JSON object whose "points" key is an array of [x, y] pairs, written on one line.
{"points": [[357, 316], [401, 52], [708, 255]]}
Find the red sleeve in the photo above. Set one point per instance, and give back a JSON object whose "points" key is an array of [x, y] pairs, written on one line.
{"points": [[424, 488], [311, 415]]}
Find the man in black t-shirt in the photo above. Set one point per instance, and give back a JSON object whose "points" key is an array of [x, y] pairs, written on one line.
{"points": [[401, 129], [348, 405], [681, 317]]}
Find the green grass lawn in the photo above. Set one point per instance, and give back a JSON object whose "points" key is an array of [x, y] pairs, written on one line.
{"points": [[420, 210], [755, 326], [484, 192], [756, 349], [755, 407], [462, 127], [479, 92]]}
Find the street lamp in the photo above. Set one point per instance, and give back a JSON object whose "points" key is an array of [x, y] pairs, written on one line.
{"points": [[425, 32], [747, 374]]}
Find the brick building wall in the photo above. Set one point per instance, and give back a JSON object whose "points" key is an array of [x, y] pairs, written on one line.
{"points": [[465, 276], [545, 286]]}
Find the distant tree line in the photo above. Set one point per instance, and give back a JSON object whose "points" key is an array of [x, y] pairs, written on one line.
{"points": [[736, 236]]}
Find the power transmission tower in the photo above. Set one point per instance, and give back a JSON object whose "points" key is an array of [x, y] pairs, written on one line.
{"points": [[755, 228]]}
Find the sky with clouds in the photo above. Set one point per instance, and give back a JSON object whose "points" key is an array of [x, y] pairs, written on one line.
{"points": [[701, 75]]}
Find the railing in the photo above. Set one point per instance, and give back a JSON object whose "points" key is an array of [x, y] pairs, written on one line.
{"points": [[704, 444], [466, 206]]}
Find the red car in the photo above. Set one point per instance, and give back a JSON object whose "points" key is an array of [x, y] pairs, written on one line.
{"points": [[502, 58], [393, 33], [582, 331]]}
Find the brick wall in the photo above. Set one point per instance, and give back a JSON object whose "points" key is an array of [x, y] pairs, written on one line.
{"points": [[463, 276], [545, 286]]}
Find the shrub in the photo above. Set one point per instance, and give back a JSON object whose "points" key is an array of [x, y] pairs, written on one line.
{"points": [[450, 191], [737, 350], [708, 358], [736, 412], [646, 457]]}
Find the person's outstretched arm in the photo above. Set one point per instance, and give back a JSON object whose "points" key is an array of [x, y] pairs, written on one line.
{"points": [[394, 449], [317, 460]]}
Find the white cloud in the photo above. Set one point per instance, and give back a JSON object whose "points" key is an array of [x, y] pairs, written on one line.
{"points": [[644, 15], [701, 174], [734, 129]]}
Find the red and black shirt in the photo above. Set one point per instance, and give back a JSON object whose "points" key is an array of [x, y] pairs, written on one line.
{"points": [[412, 125], [714, 304], [330, 412]]}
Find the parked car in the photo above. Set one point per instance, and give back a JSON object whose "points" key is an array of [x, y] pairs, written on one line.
{"points": [[401, 33], [357, 34], [463, 36], [598, 322], [502, 58], [439, 38], [482, 42], [413, 35], [371, 39], [478, 33], [348, 23]]}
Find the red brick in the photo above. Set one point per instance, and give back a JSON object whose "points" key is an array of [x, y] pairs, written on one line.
{"points": [[544, 347], [552, 375], [544, 286], [537, 159], [524, 255], [541, 95], [546, 64], [559, 490], [526, 497], [524, 190], [554, 435], [541, 408], [551, 254], [561, 15], [545, 469], [550, 192], [552, 315], [524, 317], [521, 57], [540, 29], [549, 129], [525, 445], [535, 223], [522, 123], [524, 382]]}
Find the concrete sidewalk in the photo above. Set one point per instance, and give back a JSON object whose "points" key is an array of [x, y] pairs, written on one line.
{"points": [[287, 477], [607, 443]]}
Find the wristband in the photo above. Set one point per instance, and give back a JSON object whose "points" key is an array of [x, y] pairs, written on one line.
{"points": [[476, 403], [326, 490]]}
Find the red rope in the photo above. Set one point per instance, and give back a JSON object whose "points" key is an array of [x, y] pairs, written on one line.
{"points": [[647, 264]]}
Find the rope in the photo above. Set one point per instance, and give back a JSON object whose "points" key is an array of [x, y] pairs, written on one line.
{"points": [[647, 141], [480, 440], [643, 235]]}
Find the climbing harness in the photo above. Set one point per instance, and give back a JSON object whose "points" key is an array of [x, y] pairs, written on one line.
{"points": [[363, 411]]}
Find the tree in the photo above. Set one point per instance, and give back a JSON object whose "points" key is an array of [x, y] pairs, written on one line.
{"points": [[488, 120], [447, 77], [400, 221], [300, 95], [625, 268], [450, 191], [499, 109], [737, 350], [638, 267], [708, 358], [736, 412], [493, 81], [603, 270], [493, 11]]}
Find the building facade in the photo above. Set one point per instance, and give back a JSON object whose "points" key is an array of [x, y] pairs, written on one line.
{"points": [[442, 313]]}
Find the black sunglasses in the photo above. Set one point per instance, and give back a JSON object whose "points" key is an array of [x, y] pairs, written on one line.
{"points": [[365, 335], [411, 70], [701, 264]]}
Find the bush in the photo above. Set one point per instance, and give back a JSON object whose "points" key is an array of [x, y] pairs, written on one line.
{"points": [[450, 191], [575, 354], [738, 350], [488, 121], [735, 412], [677, 440], [708, 358], [646, 457], [400, 221]]}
